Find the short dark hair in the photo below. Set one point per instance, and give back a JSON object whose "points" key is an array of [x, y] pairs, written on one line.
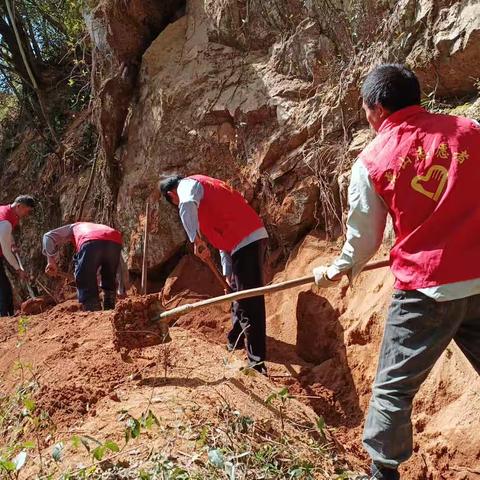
{"points": [[26, 200], [391, 85], [168, 184]]}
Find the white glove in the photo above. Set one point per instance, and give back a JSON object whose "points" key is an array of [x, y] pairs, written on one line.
{"points": [[321, 278]]}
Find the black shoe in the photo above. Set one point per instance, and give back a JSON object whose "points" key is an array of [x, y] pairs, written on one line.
{"points": [[379, 472], [109, 299], [92, 305], [239, 346]]}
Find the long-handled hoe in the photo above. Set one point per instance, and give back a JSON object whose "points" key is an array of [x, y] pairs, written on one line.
{"points": [[165, 317]]}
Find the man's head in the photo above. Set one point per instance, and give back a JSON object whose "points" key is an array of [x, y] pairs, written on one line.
{"points": [[168, 188], [23, 205], [386, 89]]}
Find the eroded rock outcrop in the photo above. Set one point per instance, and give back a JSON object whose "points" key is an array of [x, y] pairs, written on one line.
{"points": [[268, 100]]}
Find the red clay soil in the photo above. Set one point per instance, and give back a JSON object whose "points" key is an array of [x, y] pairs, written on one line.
{"points": [[34, 306], [64, 348], [135, 324], [81, 359], [322, 345], [192, 281], [328, 342]]}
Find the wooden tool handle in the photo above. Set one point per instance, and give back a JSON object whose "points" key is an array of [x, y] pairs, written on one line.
{"points": [[29, 287], [218, 275], [144, 281], [255, 292]]}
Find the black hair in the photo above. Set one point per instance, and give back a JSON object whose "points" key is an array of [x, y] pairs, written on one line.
{"points": [[168, 184], [391, 85], [26, 200]]}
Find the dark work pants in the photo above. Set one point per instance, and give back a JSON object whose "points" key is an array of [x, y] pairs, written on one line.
{"points": [[6, 294], [95, 255], [417, 331], [248, 315]]}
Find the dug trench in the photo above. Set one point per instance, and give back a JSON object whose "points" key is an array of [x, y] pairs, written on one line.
{"points": [[322, 346]]}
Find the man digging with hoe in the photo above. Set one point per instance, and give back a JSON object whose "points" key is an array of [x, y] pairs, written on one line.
{"points": [[98, 249], [423, 169], [10, 216], [225, 219]]}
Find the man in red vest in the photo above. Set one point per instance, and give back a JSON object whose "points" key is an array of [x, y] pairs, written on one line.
{"points": [[10, 216], [225, 219], [423, 170], [98, 248]]}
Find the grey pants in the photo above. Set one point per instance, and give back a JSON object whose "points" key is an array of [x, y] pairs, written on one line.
{"points": [[417, 331]]}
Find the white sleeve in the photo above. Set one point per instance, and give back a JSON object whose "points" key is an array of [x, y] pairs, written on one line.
{"points": [[188, 212], [367, 216], [6, 241], [189, 190], [190, 193], [53, 239]]}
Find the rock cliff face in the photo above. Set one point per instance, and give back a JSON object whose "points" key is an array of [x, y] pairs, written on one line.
{"points": [[267, 98], [261, 94]]}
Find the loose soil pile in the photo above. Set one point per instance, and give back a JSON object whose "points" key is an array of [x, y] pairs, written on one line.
{"points": [[34, 306], [190, 384], [136, 324]]}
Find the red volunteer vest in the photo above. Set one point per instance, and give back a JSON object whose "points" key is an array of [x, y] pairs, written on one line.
{"points": [[426, 167], [8, 213], [86, 231], [224, 216]]}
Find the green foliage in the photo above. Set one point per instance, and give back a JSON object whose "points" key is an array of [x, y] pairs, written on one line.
{"points": [[52, 35], [134, 426], [8, 104], [321, 425], [281, 397], [22, 325]]}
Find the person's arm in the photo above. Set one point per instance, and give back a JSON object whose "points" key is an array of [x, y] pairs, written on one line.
{"points": [[365, 226], [189, 216], [54, 239], [6, 242], [190, 194], [51, 243]]}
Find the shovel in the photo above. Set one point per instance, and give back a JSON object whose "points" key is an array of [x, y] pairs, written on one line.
{"points": [[163, 317]]}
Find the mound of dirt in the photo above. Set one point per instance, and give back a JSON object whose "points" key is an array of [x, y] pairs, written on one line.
{"points": [[71, 356], [136, 324], [324, 346], [34, 306]]}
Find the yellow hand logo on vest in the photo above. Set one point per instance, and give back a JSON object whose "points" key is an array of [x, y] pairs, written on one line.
{"points": [[436, 172]]}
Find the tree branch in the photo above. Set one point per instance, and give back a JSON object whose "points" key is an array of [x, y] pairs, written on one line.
{"points": [[30, 73]]}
